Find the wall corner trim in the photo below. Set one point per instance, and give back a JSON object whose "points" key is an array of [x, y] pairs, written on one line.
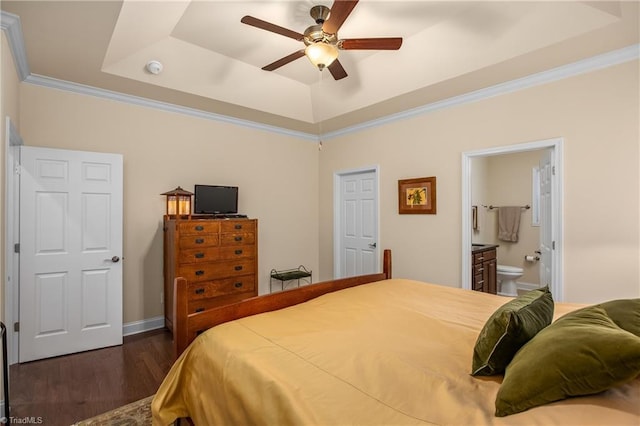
{"points": [[10, 24]]}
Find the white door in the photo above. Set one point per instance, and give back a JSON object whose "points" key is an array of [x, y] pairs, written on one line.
{"points": [[358, 228], [546, 223], [70, 250]]}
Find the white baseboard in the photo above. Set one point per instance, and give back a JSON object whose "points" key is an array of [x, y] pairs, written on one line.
{"points": [[141, 326], [527, 286]]}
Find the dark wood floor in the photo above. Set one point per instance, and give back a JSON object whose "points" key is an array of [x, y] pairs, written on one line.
{"points": [[66, 389]]}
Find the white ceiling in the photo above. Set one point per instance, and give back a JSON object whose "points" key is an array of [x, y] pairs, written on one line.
{"points": [[213, 62]]}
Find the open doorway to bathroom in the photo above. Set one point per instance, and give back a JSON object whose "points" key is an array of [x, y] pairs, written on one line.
{"points": [[507, 176]]}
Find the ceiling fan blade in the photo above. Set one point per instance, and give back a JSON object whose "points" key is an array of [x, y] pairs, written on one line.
{"points": [[284, 61], [339, 13], [336, 70], [388, 43], [268, 26]]}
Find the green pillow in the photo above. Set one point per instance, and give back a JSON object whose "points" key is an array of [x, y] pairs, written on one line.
{"points": [[625, 313], [510, 327], [582, 353]]}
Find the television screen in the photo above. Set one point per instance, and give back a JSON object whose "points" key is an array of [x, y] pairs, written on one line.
{"points": [[215, 199]]}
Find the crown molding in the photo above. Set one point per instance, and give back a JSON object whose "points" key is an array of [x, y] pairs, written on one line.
{"points": [[10, 24], [605, 60], [13, 29], [67, 86]]}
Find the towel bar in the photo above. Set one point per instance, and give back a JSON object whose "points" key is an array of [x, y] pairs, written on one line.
{"points": [[526, 207]]}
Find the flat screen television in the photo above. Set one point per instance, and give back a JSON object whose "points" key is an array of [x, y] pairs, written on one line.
{"points": [[215, 199]]}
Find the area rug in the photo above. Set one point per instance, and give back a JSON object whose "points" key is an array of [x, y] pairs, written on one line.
{"points": [[137, 413]]}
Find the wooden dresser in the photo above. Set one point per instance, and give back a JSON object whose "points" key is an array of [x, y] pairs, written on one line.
{"points": [[484, 265], [217, 257]]}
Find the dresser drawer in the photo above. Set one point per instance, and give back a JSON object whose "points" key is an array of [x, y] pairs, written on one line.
{"points": [[238, 226], [209, 254], [192, 227], [237, 252], [199, 255], [195, 306], [198, 241], [198, 272], [217, 288], [237, 238]]}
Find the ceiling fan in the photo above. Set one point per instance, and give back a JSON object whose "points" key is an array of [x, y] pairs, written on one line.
{"points": [[321, 40]]}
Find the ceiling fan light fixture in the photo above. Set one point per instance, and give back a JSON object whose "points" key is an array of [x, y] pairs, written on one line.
{"points": [[321, 54]]}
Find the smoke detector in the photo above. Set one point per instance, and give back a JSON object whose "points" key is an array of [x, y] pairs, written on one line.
{"points": [[154, 67]]}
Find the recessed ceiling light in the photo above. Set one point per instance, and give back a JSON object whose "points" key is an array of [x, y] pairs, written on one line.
{"points": [[154, 67]]}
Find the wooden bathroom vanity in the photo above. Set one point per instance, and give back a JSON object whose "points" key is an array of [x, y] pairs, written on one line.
{"points": [[484, 268]]}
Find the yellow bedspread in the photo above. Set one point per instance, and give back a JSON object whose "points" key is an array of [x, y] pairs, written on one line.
{"points": [[395, 352]]}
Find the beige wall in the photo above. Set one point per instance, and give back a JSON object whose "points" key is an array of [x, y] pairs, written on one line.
{"points": [[596, 114], [287, 184], [277, 176], [505, 180]]}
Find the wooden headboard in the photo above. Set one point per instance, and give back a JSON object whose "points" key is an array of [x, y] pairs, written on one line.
{"points": [[187, 325]]}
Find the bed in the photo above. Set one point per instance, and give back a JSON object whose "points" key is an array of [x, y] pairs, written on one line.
{"points": [[364, 350]]}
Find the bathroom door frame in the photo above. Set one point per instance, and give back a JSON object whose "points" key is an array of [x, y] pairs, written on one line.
{"points": [[557, 208]]}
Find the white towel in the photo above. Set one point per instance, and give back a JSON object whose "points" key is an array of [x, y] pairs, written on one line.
{"points": [[509, 223]]}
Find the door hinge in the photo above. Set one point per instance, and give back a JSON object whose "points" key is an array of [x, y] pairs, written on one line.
{"points": [[553, 170], [553, 245], [16, 248], [16, 327]]}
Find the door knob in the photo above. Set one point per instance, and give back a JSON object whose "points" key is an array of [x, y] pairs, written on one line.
{"points": [[114, 259], [373, 245]]}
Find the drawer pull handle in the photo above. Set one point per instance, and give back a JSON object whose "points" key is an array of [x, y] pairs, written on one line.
{"points": [[238, 285], [238, 268], [199, 228], [199, 240], [200, 310], [238, 226], [200, 272], [199, 255], [238, 238], [199, 290], [238, 251], [480, 258]]}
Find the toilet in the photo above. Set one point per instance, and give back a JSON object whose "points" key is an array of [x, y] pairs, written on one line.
{"points": [[507, 276]]}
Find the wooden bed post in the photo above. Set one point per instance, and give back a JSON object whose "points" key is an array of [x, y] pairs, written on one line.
{"points": [[386, 263]]}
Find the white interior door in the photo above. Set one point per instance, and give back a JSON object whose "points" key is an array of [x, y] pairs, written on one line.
{"points": [[70, 250], [546, 223], [358, 226]]}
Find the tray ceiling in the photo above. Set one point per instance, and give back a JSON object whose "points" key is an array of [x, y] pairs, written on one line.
{"points": [[212, 62]]}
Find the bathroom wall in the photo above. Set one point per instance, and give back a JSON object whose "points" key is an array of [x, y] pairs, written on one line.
{"points": [[506, 180]]}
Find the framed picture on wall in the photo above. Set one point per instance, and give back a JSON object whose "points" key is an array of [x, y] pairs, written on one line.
{"points": [[417, 196]]}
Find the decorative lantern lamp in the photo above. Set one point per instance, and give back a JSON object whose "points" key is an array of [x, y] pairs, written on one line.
{"points": [[178, 202]]}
